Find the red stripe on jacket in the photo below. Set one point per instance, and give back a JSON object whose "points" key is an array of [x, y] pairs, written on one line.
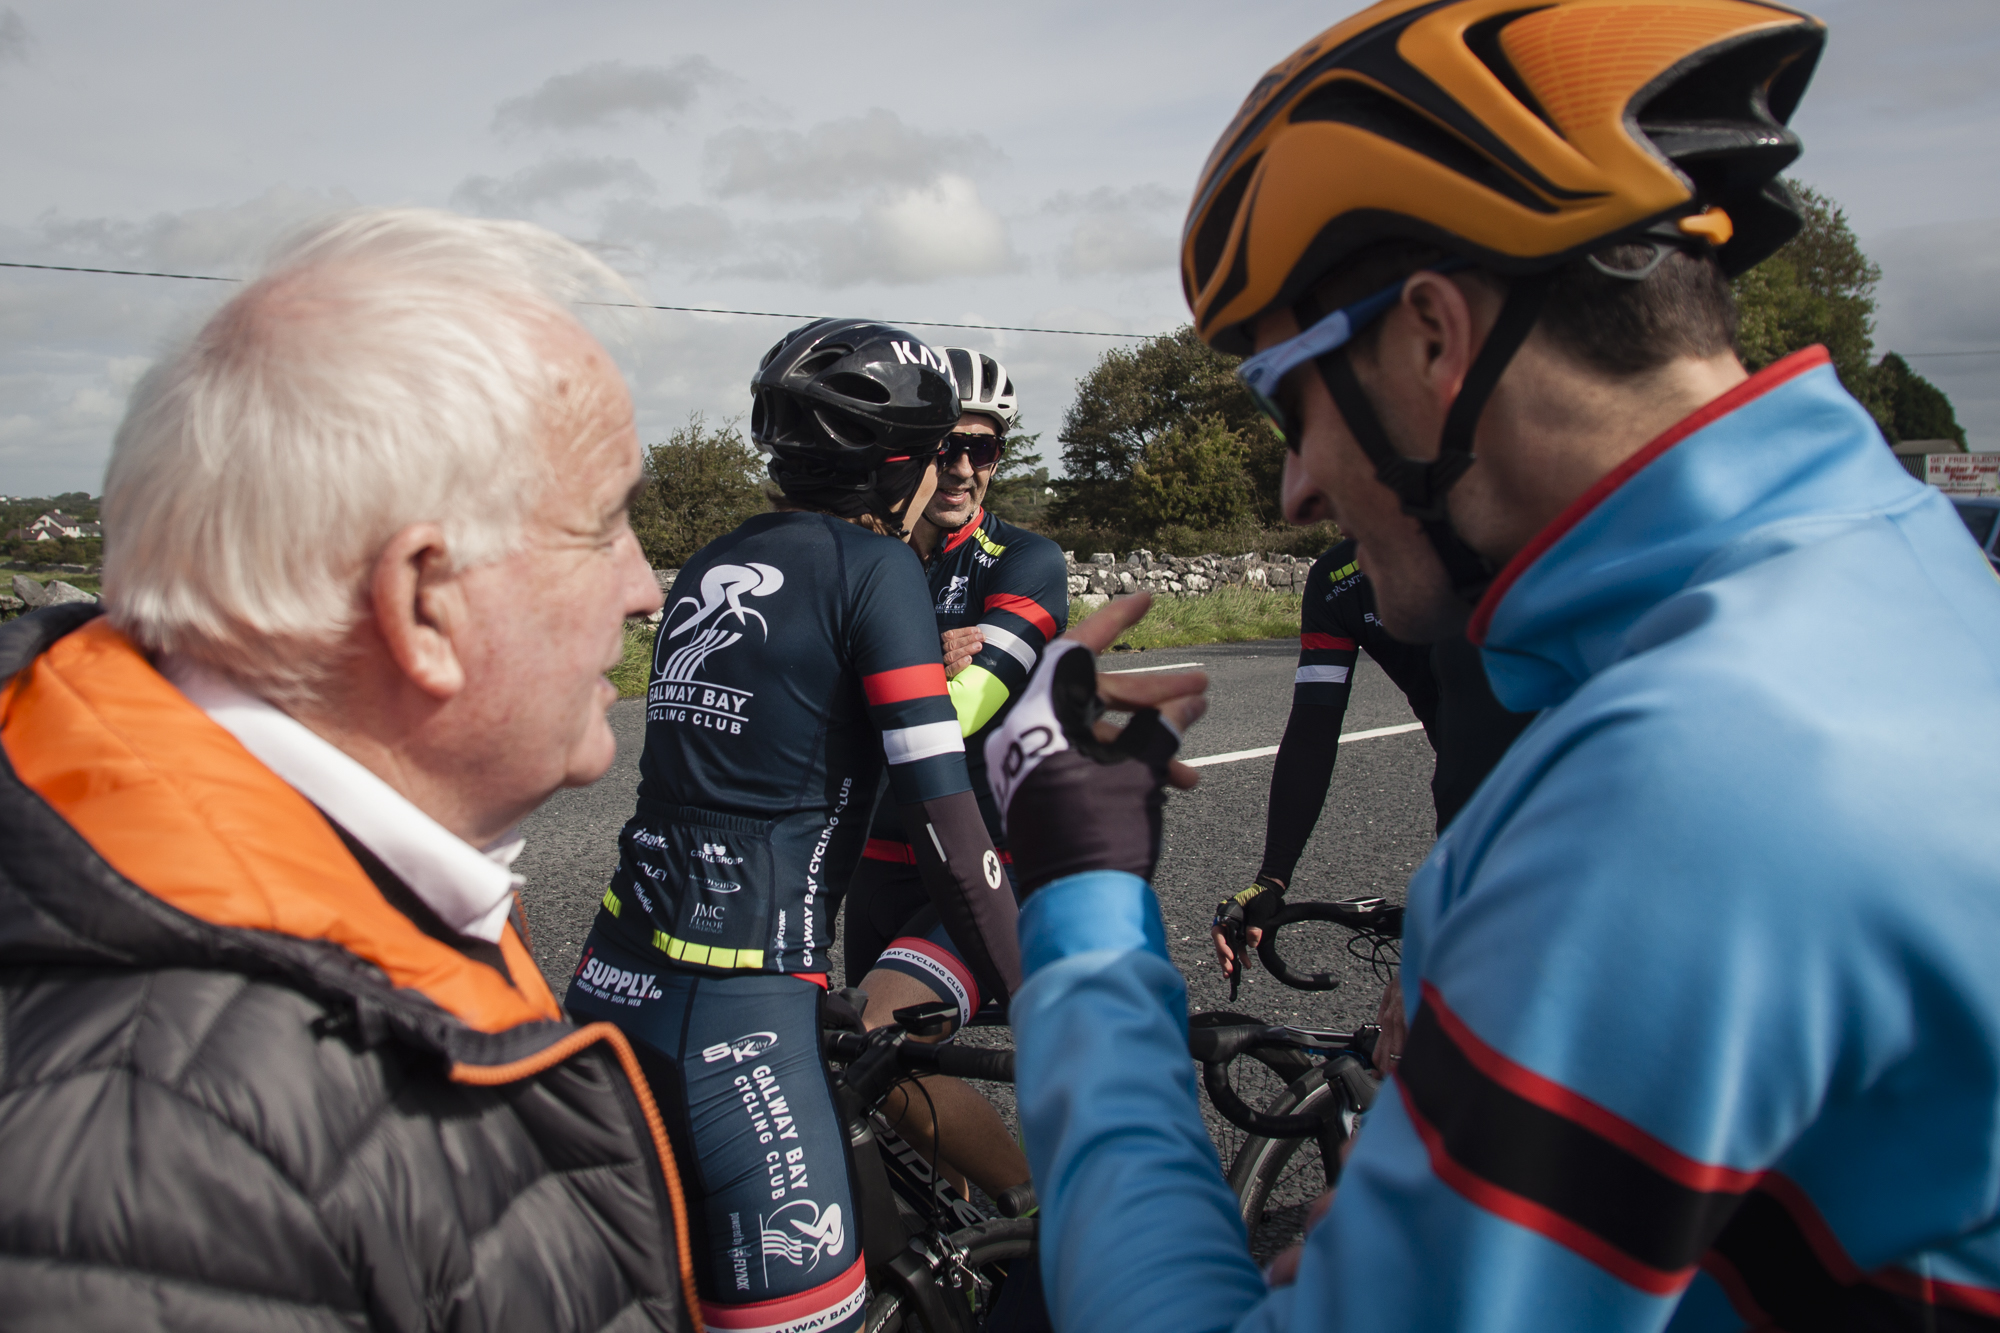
{"points": [[1027, 608], [910, 682], [1550, 1095], [1326, 643], [1770, 377]]}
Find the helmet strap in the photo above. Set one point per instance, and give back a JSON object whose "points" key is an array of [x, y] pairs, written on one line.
{"points": [[1422, 484]]}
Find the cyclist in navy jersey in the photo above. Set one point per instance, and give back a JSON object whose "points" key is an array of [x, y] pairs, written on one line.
{"points": [[999, 593], [793, 667], [1446, 687]]}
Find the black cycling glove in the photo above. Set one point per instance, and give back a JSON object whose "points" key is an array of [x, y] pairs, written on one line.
{"points": [[1237, 915], [1071, 802]]}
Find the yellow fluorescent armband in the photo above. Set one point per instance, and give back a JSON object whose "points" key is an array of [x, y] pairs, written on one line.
{"points": [[977, 694]]}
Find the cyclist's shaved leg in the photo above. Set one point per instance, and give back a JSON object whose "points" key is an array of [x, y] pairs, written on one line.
{"points": [[976, 1144]]}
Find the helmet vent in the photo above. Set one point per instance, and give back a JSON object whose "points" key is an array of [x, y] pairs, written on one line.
{"points": [[1483, 40], [850, 385], [844, 428], [1348, 102], [1214, 233], [821, 359]]}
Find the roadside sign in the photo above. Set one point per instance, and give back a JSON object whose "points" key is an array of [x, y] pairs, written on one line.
{"points": [[1963, 474]]}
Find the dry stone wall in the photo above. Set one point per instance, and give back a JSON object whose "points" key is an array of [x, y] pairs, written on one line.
{"points": [[30, 595], [1104, 575]]}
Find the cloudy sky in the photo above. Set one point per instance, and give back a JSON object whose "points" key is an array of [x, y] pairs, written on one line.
{"points": [[996, 164]]}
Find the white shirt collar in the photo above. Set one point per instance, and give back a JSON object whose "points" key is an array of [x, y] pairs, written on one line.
{"points": [[471, 889]]}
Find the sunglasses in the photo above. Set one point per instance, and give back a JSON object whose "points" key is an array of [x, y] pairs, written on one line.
{"points": [[983, 450], [1263, 373]]}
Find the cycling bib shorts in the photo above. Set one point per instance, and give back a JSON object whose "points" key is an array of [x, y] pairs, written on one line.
{"points": [[891, 925], [734, 1062]]}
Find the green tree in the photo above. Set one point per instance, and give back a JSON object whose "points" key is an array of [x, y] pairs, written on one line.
{"points": [[1019, 491], [1192, 475], [1918, 409], [1134, 396], [700, 484], [1819, 288]]}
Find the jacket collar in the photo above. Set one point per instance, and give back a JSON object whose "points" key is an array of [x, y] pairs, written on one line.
{"points": [[1787, 443], [179, 813]]}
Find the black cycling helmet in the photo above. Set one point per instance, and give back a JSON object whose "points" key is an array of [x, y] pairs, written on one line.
{"points": [[852, 394], [851, 411]]}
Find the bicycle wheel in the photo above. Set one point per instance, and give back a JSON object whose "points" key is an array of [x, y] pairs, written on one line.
{"points": [[988, 1249], [1276, 1180]]}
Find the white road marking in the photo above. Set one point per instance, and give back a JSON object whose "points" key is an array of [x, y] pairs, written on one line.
{"points": [[1133, 671], [1264, 751]]}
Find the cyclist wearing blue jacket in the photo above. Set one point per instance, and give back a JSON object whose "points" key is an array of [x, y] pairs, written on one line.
{"points": [[1705, 1019], [795, 666]]}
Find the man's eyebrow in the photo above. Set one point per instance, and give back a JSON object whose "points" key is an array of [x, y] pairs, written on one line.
{"points": [[632, 496]]}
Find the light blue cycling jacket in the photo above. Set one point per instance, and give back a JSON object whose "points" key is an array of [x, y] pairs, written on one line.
{"points": [[1704, 983]]}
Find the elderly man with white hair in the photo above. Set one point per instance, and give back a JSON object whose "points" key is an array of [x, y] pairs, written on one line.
{"points": [[273, 1050]]}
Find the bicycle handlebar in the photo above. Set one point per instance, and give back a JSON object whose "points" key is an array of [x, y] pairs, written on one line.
{"points": [[876, 1061], [1215, 1047], [1369, 914]]}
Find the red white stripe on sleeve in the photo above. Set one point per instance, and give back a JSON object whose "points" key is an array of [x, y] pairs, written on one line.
{"points": [[1027, 608], [904, 683]]}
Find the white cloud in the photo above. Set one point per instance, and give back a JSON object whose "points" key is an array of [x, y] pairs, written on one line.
{"points": [[837, 158], [1117, 243], [227, 239], [15, 39], [1113, 199], [682, 234], [72, 345], [941, 229], [608, 91], [553, 180], [1118, 232]]}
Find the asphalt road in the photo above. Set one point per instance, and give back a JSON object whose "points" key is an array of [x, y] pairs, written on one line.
{"points": [[1375, 829]]}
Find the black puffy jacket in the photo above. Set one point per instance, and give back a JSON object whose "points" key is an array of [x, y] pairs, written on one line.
{"points": [[240, 1090]]}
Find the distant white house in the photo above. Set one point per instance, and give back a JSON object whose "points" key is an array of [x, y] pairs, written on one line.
{"points": [[56, 524]]}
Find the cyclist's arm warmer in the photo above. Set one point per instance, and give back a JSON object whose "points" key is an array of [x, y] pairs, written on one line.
{"points": [[966, 884], [1300, 777], [1331, 630], [1026, 603], [901, 674]]}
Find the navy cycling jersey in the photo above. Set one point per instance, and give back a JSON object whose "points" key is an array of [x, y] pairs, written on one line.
{"points": [[1445, 685], [1337, 623], [788, 670], [1013, 585]]}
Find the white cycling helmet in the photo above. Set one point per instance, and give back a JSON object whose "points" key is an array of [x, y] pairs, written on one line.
{"points": [[983, 386]]}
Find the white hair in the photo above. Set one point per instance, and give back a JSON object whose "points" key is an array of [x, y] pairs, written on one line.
{"points": [[391, 367]]}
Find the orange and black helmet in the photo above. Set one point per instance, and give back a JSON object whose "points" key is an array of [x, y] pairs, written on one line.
{"points": [[1518, 135]]}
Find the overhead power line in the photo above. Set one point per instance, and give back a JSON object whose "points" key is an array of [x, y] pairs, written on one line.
{"points": [[622, 305], [758, 314], [119, 272]]}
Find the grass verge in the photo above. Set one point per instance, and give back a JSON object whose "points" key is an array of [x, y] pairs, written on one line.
{"points": [[632, 671], [1227, 615]]}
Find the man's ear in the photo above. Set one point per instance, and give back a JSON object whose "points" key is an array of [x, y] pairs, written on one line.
{"points": [[1435, 333], [420, 608]]}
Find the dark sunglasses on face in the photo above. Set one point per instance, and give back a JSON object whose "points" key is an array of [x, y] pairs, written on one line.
{"points": [[983, 450]]}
